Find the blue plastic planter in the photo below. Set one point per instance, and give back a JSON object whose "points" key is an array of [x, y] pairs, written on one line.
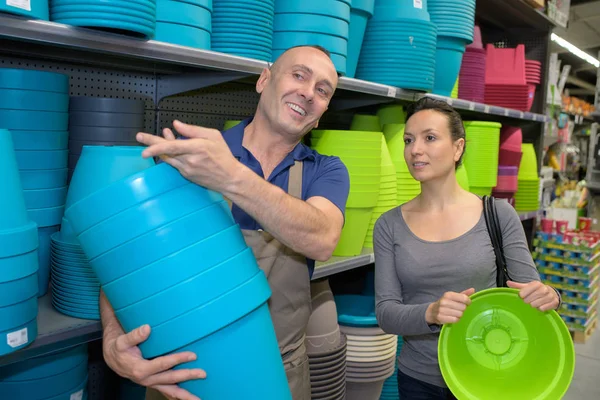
{"points": [[182, 35], [34, 120], [194, 292], [18, 314], [79, 9], [211, 251], [45, 198], [139, 27], [16, 338], [17, 290], [310, 23], [99, 166], [38, 159], [448, 59], [79, 392], [356, 310], [40, 140], [183, 14], [44, 366], [46, 216], [329, 8], [20, 99], [285, 40], [19, 266], [34, 80], [358, 25], [44, 235], [13, 213], [142, 5], [43, 178]]}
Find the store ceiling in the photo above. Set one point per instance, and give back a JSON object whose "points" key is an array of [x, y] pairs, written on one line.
{"points": [[582, 31]]}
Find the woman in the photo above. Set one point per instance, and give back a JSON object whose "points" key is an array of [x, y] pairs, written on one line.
{"points": [[433, 252]]}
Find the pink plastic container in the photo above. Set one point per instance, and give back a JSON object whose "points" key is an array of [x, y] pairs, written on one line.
{"points": [[547, 225], [477, 41], [509, 158], [511, 138], [531, 96], [505, 66]]}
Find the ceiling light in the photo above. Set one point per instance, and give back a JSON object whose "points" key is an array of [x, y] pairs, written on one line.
{"points": [[575, 50]]}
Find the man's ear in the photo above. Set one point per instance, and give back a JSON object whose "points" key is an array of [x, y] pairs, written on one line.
{"points": [[263, 79]]}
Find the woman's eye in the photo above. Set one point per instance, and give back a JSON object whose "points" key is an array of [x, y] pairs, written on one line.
{"points": [[407, 140], [430, 138]]}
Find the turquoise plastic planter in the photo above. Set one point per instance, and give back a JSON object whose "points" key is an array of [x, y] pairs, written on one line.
{"points": [[40, 140], [18, 337], [34, 120], [356, 310], [18, 314], [144, 218], [141, 5], [13, 213], [45, 198], [36, 159], [390, 10], [46, 216], [17, 290], [329, 8], [140, 27], [99, 166], [359, 17], [207, 319], [79, 392], [161, 242], [182, 35], [132, 189], [19, 99], [19, 266], [44, 366], [43, 178], [44, 235], [145, 21], [448, 59], [249, 340], [34, 80], [38, 9], [183, 14], [310, 23], [195, 292], [208, 4], [210, 251], [79, 9]]}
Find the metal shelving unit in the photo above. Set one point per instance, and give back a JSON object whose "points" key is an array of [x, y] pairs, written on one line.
{"points": [[340, 264]]}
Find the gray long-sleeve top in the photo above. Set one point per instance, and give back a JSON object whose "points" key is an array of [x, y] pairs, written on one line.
{"points": [[411, 273]]}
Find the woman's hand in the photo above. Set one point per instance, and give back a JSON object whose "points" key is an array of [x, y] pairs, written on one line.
{"points": [[538, 295], [449, 308]]}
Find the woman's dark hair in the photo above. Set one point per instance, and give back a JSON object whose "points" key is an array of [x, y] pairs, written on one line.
{"points": [[455, 122]]}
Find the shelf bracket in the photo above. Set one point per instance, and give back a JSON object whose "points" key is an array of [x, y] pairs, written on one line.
{"points": [[170, 85]]}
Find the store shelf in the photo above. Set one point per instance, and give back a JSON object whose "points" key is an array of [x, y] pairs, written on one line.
{"points": [[340, 264], [480, 108], [71, 43], [512, 14], [55, 331], [524, 216]]}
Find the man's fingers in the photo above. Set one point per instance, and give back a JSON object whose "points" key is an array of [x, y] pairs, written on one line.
{"points": [[168, 134], [174, 377], [175, 392], [193, 131], [133, 338], [148, 139], [165, 363], [170, 148]]}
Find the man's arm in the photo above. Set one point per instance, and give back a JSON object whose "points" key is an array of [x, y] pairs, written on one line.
{"points": [[311, 227]]}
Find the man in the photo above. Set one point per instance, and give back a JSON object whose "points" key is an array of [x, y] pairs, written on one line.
{"points": [[255, 165]]}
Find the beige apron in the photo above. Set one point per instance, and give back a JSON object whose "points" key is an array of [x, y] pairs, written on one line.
{"points": [[289, 304]]}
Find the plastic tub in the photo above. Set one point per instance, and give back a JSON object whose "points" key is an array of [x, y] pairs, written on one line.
{"points": [[30, 79], [44, 235], [448, 59], [17, 290], [21, 265], [13, 213], [44, 366], [21, 99], [36, 159], [330, 8], [59, 9], [142, 5], [34, 120], [18, 313], [183, 35], [45, 198], [40, 140], [98, 133], [46, 216], [183, 14], [354, 231]]}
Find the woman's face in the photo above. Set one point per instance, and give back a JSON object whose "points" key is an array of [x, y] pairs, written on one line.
{"points": [[430, 151]]}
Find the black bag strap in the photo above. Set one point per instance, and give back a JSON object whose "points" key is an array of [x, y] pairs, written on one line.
{"points": [[493, 226]]}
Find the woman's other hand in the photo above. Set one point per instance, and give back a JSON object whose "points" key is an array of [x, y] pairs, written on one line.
{"points": [[538, 295], [449, 308]]}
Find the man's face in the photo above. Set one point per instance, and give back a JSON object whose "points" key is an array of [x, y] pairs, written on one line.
{"points": [[296, 91]]}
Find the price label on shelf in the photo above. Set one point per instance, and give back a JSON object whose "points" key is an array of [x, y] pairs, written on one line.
{"points": [[506, 112], [17, 338], [521, 115], [77, 395], [486, 109], [472, 106], [392, 91], [450, 101], [22, 4], [418, 4]]}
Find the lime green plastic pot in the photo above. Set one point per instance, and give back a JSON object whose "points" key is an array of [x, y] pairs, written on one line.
{"points": [[362, 122], [391, 114], [502, 348], [354, 232], [349, 135], [230, 124]]}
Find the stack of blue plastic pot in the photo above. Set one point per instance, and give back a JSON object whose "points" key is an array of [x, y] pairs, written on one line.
{"points": [[75, 287], [60, 375], [34, 106], [399, 46], [455, 20], [243, 27], [168, 253], [313, 22], [390, 386], [136, 18], [361, 12], [18, 257], [37, 9], [104, 122], [184, 22]]}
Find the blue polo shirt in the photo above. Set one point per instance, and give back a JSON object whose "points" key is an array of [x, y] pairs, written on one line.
{"points": [[323, 176]]}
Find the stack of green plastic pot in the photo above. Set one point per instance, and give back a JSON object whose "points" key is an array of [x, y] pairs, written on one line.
{"points": [[481, 155], [462, 177], [388, 197], [408, 187], [360, 151], [391, 114], [364, 122], [454, 93], [230, 124], [528, 193]]}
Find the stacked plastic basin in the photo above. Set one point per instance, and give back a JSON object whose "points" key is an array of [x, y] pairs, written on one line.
{"points": [[185, 23], [314, 22], [407, 186], [18, 257], [390, 386], [511, 139], [472, 71], [136, 18], [34, 106], [325, 345], [365, 122], [34, 9], [388, 191], [481, 157], [360, 13], [505, 79], [462, 177], [360, 151], [391, 114], [455, 20], [371, 353], [186, 271], [507, 183], [102, 121], [61, 375], [533, 76], [399, 46], [243, 27], [528, 193]]}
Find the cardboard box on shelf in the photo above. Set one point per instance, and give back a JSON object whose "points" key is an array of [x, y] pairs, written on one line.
{"points": [[558, 11], [536, 3]]}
